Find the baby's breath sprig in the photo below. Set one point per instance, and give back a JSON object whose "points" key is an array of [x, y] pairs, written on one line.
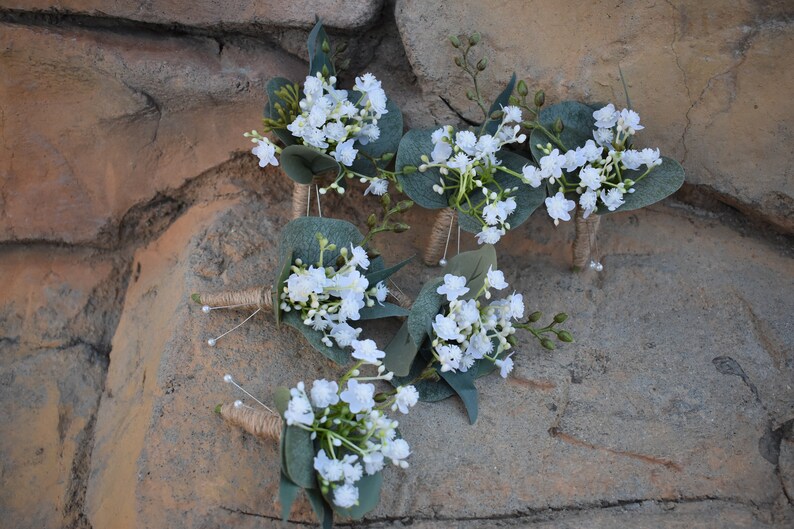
{"points": [[472, 69], [539, 332], [386, 222]]}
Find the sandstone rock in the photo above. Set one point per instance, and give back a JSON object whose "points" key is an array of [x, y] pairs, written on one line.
{"points": [[705, 77], [50, 399], [246, 15], [109, 120], [640, 408]]}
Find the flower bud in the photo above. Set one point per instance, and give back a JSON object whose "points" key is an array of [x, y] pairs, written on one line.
{"points": [[540, 98], [474, 39], [403, 205], [341, 47], [455, 41], [400, 227], [560, 318], [535, 316], [522, 88], [385, 200], [458, 62], [558, 126], [548, 344], [387, 156], [565, 336], [470, 95], [409, 169], [326, 47], [482, 64], [372, 220]]}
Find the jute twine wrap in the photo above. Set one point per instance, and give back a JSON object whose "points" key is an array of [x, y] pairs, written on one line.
{"points": [[259, 423], [442, 227], [400, 298], [253, 298], [584, 239], [300, 200]]}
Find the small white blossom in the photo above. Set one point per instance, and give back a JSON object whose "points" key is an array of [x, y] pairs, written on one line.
{"points": [[612, 199], [406, 398], [631, 159], [466, 141], [345, 153], [588, 202], [299, 409], [397, 450], [496, 278], [532, 175], [446, 328], [505, 366], [324, 393], [381, 291], [606, 117], [590, 177], [604, 137], [512, 114], [346, 496], [630, 120], [377, 187], [490, 235], [266, 152], [559, 207], [359, 396], [453, 287], [358, 257], [367, 350]]}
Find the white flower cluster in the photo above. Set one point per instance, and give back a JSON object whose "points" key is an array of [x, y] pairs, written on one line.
{"points": [[327, 298], [355, 435], [468, 162], [468, 329], [333, 124], [599, 163]]}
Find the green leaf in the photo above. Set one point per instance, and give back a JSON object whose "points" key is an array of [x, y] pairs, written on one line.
{"points": [[300, 236], [299, 457], [400, 352], [302, 163], [473, 266], [287, 492], [387, 310], [463, 385], [419, 186], [391, 131], [428, 303], [502, 100], [660, 183], [323, 511], [579, 126], [317, 57], [376, 276], [278, 287], [368, 497], [281, 398], [273, 86], [293, 319], [528, 199]]}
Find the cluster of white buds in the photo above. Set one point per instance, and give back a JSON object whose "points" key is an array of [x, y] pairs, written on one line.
{"points": [[468, 162], [470, 330], [599, 165]]}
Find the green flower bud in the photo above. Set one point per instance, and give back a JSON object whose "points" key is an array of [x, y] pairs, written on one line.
{"points": [[387, 156], [458, 62], [326, 47], [522, 88], [565, 336], [560, 318], [535, 316], [540, 98], [409, 169], [385, 200], [341, 47], [548, 344], [528, 125], [513, 100], [474, 39], [400, 227], [470, 95], [403, 205], [372, 220], [558, 126], [512, 340], [482, 64], [455, 41], [497, 115]]}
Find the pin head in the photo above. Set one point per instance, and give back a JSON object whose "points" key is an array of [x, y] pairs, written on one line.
{"points": [[211, 342], [442, 262], [206, 309]]}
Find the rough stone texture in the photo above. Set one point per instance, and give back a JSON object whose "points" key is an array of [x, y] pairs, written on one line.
{"points": [[49, 401], [671, 396], [95, 122], [704, 76], [246, 15]]}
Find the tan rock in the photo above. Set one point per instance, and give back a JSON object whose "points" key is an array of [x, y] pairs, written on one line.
{"points": [[705, 77], [95, 122], [246, 15], [50, 399]]}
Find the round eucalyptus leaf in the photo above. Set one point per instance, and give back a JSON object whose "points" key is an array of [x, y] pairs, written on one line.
{"points": [[369, 488], [472, 265], [578, 122], [302, 163], [299, 457], [419, 186], [660, 183]]}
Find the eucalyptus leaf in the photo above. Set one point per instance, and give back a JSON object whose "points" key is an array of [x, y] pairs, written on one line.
{"points": [[321, 508], [293, 319], [527, 198], [578, 122], [400, 352], [299, 457], [387, 310], [287, 492], [661, 182], [419, 186], [273, 86], [502, 100], [281, 398], [368, 496], [376, 276], [391, 132], [472, 265], [317, 57], [463, 385], [302, 163], [428, 303], [278, 287]]}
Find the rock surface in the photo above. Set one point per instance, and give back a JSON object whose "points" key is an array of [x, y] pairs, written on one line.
{"points": [[702, 76], [247, 15], [667, 398]]}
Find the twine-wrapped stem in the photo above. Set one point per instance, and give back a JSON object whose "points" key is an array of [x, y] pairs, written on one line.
{"points": [[400, 298], [584, 238], [442, 227], [259, 423], [300, 200], [252, 298]]}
